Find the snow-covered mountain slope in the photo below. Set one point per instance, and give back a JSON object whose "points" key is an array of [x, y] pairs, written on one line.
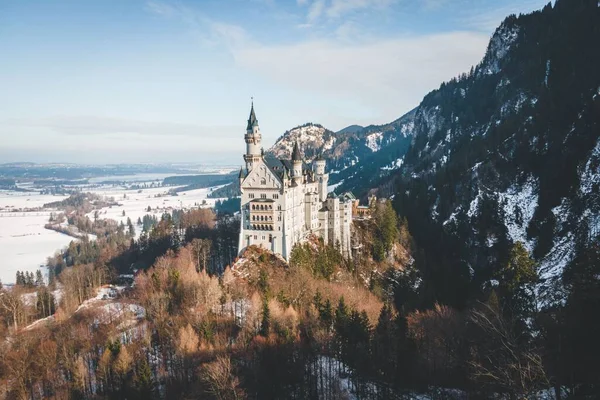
{"points": [[312, 138], [379, 148]]}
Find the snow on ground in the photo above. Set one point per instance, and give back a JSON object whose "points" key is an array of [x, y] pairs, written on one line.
{"points": [[109, 310], [519, 204], [135, 202], [394, 165], [25, 244], [11, 200], [373, 141], [309, 135], [331, 188]]}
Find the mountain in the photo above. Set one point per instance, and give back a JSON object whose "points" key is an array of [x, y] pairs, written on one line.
{"points": [[379, 148], [507, 152], [376, 150], [312, 138], [350, 129]]}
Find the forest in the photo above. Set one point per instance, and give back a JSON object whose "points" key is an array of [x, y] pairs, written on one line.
{"points": [[199, 322]]}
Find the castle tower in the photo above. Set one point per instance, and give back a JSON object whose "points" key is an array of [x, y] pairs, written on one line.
{"points": [[321, 177], [253, 140], [296, 165]]}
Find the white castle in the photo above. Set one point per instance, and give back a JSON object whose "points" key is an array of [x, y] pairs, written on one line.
{"points": [[283, 202]]}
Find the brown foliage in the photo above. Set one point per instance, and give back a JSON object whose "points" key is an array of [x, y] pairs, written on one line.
{"points": [[221, 380], [438, 334], [202, 217]]}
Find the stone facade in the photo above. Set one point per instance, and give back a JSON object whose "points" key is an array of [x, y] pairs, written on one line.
{"points": [[284, 201]]}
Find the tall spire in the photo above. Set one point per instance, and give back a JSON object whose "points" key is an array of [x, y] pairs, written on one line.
{"points": [[252, 119], [296, 153]]}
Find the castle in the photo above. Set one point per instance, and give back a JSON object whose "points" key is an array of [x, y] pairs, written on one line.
{"points": [[283, 201]]}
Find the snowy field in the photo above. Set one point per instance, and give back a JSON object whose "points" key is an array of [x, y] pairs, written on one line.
{"points": [[135, 203], [25, 244], [11, 200]]}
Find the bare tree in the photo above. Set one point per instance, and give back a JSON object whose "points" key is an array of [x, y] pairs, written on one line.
{"points": [[499, 359], [10, 302], [221, 380]]}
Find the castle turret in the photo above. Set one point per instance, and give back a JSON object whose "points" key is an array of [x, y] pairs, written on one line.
{"points": [[321, 177], [253, 141], [241, 176], [296, 165]]}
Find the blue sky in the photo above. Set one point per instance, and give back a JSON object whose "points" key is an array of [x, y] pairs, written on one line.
{"points": [[171, 81]]}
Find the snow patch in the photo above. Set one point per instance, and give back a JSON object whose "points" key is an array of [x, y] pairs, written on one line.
{"points": [[373, 141], [394, 165], [500, 44], [519, 204]]}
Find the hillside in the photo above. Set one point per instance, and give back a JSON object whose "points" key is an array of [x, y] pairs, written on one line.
{"points": [[509, 151]]}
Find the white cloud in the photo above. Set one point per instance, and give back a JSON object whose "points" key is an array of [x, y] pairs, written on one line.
{"points": [[315, 11], [336, 9], [208, 30], [433, 5], [340, 7], [389, 76], [384, 76], [96, 125]]}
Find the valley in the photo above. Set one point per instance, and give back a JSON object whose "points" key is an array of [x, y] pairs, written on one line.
{"points": [[24, 242]]}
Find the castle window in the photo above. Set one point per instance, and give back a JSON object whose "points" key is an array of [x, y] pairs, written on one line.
{"points": [[251, 196], [275, 196], [270, 238], [263, 181], [263, 196]]}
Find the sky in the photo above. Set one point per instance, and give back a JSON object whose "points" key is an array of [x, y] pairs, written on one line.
{"points": [[155, 81]]}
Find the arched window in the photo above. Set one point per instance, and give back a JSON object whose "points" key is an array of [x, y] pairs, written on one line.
{"points": [[263, 181]]}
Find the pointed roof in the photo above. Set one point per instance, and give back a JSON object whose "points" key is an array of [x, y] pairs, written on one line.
{"points": [[252, 121], [296, 153], [241, 175]]}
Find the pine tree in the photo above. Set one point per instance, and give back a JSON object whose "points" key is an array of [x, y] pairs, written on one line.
{"points": [[385, 340], [265, 324], [39, 278], [144, 380]]}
